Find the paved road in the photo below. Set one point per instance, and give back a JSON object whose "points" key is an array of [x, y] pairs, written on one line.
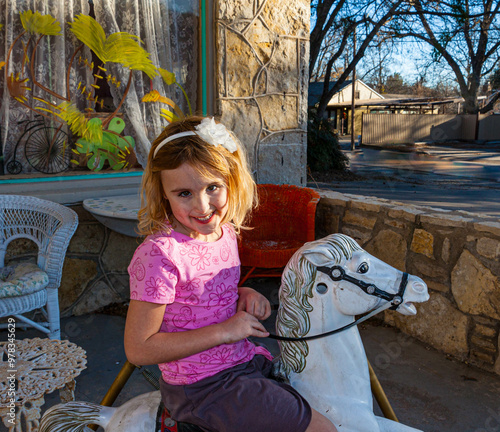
{"points": [[452, 178]]}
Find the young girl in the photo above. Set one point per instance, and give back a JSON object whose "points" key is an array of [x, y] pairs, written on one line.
{"points": [[186, 312]]}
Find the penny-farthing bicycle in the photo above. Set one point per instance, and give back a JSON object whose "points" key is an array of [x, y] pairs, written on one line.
{"points": [[46, 147]]}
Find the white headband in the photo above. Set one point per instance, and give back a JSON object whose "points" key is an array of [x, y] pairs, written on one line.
{"points": [[210, 132]]}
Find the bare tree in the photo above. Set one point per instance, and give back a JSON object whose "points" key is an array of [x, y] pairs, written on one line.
{"points": [[337, 22], [375, 68], [464, 34]]}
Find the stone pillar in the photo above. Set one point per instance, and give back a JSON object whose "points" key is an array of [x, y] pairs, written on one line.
{"points": [[262, 51]]}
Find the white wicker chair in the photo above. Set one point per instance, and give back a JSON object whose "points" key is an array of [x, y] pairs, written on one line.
{"points": [[50, 226]]}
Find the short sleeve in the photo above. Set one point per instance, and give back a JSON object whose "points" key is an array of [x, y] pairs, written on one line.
{"points": [[153, 276]]}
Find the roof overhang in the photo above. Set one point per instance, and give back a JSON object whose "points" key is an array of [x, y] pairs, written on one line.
{"points": [[396, 103]]}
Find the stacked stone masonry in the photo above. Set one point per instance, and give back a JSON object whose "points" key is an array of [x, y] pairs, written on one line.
{"points": [[455, 253], [262, 51]]}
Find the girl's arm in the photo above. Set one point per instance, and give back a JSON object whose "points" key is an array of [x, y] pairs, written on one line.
{"points": [[144, 344]]}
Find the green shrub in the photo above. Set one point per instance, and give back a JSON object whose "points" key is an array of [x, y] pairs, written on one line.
{"points": [[323, 150]]}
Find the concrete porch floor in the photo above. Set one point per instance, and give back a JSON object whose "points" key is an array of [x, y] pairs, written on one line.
{"points": [[427, 390]]}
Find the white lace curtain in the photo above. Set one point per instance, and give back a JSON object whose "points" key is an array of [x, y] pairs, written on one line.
{"points": [[168, 30], [51, 72]]}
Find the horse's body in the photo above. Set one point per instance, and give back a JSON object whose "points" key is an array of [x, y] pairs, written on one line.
{"points": [[331, 372]]}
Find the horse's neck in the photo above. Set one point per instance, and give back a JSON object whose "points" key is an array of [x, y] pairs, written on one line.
{"points": [[337, 361]]}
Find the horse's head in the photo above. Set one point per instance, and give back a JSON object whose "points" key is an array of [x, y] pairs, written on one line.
{"points": [[359, 281], [336, 274]]}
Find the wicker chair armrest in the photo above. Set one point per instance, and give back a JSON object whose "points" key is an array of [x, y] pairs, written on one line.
{"points": [[58, 245]]}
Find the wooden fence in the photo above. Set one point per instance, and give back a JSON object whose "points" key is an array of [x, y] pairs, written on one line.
{"points": [[387, 129]]}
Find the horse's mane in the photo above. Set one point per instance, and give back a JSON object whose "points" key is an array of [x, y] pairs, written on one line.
{"points": [[297, 288]]}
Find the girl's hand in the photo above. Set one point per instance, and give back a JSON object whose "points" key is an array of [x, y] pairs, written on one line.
{"points": [[241, 326], [254, 303]]}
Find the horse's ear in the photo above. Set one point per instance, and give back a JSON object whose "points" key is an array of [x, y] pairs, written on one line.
{"points": [[320, 256]]}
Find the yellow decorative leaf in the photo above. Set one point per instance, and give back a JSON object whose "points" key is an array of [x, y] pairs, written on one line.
{"points": [[152, 96], [120, 47], [36, 23], [89, 130], [176, 108], [124, 48], [168, 115], [91, 33], [168, 77]]}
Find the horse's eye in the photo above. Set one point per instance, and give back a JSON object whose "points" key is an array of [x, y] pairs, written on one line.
{"points": [[363, 268]]}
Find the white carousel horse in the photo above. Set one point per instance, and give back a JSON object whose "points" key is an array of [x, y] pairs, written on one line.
{"points": [[324, 285]]}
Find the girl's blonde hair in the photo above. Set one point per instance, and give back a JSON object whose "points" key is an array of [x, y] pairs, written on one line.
{"points": [[205, 159]]}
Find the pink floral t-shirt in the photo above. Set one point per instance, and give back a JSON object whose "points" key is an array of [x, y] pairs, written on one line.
{"points": [[198, 281]]}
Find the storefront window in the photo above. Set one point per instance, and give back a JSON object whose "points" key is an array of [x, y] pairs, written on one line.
{"points": [[87, 85]]}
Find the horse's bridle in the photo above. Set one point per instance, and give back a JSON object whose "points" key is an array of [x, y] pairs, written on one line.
{"points": [[337, 273]]}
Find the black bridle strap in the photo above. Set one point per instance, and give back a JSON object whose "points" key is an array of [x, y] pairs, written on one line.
{"points": [[331, 332], [337, 273]]}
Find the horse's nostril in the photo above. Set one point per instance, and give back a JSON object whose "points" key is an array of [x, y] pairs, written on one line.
{"points": [[418, 287]]}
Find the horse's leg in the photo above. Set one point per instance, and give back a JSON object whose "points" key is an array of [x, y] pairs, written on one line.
{"points": [[387, 425]]}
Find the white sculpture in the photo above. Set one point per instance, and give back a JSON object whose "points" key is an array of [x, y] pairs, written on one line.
{"points": [[326, 283], [331, 372]]}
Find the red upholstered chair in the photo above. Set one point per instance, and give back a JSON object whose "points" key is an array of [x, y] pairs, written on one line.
{"points": [[282, 223]]}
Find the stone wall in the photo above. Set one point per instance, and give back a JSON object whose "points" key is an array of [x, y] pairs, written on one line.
{"points": [[455, 253], [262, 50]]}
